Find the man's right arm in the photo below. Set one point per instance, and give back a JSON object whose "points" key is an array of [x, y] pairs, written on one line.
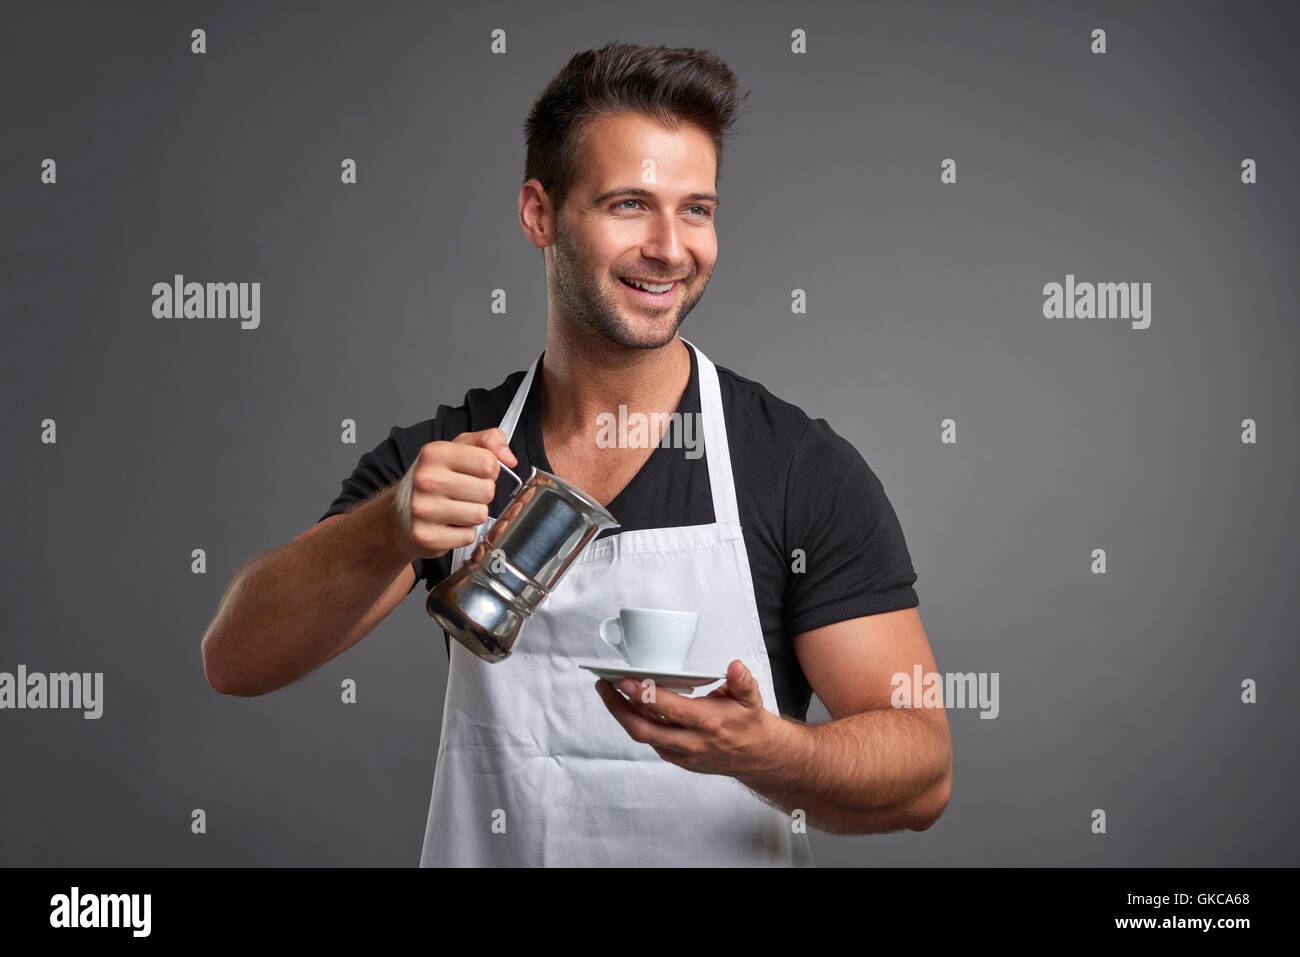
{"points": [[290, 610]]}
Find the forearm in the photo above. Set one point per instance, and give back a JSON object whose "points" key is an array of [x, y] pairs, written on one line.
{"points": [[286, 612], [881, 770]]}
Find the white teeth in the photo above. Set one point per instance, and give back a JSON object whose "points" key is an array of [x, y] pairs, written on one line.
{"points": [[648, 287]]}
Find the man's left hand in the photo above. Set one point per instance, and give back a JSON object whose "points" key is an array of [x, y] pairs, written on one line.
{"points": [[727, 731]]}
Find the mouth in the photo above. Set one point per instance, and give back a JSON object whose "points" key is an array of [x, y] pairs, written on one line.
{"points": [[654, 298]]}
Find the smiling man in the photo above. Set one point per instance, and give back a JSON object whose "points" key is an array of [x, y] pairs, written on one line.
{"points": [[780, 538]]}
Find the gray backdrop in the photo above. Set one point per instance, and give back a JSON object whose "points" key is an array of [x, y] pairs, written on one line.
{"points": [[1119, 691]]}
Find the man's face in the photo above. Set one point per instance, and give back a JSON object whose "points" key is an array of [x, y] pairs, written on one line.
{"points": [[644, 209]]}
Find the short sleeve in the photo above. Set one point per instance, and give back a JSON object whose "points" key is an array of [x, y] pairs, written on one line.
{"points": [[379, 468], [856, 561]]}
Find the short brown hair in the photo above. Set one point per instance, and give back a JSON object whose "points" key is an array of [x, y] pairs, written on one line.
{"points": [[673, 85]]}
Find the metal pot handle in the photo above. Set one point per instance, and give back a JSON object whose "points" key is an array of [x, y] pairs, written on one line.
{"points": [[518, 481], [464, 551]]}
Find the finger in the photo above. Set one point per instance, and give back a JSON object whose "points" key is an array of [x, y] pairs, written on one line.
{"points": [[636, 724], [660, 704], [671, 755], [445, 482], [454, 512]]}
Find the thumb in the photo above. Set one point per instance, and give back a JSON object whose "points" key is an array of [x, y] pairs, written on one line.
{"points": [[494, 440], [742, 685]]}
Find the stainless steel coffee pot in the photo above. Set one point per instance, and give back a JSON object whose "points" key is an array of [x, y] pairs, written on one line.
{"points": [[543, 528]]}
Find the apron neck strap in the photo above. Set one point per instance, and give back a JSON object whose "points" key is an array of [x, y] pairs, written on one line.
{"points": [[716, 450], [713, 431], [511, 418]]}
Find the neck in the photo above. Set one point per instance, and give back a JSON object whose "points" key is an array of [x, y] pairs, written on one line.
{"points": [[586, 375]]}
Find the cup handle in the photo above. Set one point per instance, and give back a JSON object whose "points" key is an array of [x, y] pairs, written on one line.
{"points": [[614, 622]]}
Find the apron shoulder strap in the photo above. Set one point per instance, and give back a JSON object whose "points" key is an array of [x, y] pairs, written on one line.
{"points": [[717, 451]]}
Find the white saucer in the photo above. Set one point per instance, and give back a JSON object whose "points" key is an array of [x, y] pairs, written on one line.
{"points": [[673, 680]]}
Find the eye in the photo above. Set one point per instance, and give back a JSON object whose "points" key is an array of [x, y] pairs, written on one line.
{"points": [[704, 211]]}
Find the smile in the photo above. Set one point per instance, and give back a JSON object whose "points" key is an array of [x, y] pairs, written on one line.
{"points": [[654, 292]]}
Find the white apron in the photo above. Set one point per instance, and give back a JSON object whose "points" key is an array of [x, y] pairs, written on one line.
{"points": [[533, 770]]}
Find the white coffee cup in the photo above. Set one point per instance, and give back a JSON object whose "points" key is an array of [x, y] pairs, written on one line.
{"points": [[655, 639]]}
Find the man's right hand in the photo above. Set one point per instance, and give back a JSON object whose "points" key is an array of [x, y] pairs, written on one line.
{"points": [[446, 493]]}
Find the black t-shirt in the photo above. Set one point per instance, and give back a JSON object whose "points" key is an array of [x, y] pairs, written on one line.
{"points": [[799, 485]]}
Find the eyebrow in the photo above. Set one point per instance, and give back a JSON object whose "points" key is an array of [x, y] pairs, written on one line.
{"points": [[646, 194]]}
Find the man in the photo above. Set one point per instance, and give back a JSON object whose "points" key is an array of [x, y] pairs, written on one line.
{"points": [[779, 536]]}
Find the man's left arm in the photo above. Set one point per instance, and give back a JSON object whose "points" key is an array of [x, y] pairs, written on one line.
{"points": [[871, 768]]}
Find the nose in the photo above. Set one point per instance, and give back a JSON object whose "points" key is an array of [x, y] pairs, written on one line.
{"points": [[663, 242]]}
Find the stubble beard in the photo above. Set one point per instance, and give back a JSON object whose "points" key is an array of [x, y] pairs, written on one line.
{"points": [[607, 314]]}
